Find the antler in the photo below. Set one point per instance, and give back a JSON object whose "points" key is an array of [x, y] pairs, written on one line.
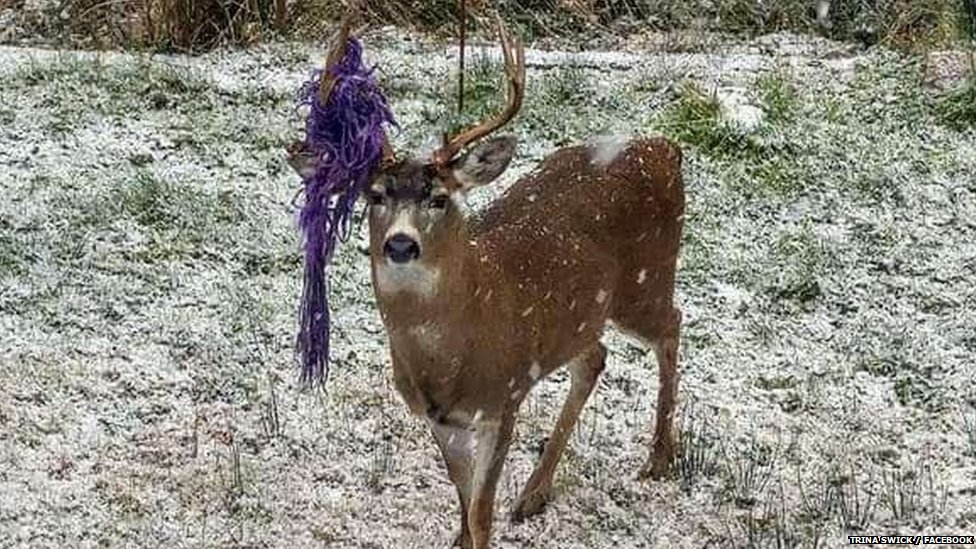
{"points": [[336, 52], [514, 54]]}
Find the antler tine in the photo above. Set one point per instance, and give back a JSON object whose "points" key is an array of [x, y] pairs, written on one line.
{"points": [[389, 155], [513, 53], [336, 52]]}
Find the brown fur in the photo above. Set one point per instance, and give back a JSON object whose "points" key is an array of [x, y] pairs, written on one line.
{"points": [[528, 286]]}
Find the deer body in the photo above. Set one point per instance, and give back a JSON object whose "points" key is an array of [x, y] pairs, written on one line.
{"points": [[530, 284], [480, 307], [505, 297]]}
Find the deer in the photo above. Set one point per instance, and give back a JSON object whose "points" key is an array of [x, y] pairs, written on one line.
{"points": [[479, 307]]}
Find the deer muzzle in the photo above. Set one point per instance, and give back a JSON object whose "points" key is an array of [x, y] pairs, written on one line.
{"points": [[400, 248]]}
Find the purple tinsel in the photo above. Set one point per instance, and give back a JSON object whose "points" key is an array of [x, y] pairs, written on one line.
{"points": [[346, 136]]}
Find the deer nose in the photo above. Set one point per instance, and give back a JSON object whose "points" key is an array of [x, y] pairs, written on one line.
{"points": [[400, 248]]}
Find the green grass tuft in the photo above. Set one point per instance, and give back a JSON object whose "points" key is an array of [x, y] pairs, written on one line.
{"points": [[695, 118], [958, 109], [777, 96]]}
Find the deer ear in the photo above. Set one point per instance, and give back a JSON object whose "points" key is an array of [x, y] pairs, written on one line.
{"points": [[302, 160], [484, 162]]}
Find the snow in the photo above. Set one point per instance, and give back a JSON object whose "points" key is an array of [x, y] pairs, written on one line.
{"points": [[149, 278]]}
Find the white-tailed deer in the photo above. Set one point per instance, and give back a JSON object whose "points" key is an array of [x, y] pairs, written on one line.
{"points": [[479, 307]]}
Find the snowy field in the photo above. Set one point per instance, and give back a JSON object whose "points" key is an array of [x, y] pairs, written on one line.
{"points": [[150, 272]]}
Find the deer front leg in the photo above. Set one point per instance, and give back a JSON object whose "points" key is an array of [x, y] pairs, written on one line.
{"points": [[456, 444], [585, 371], [492, 438]]}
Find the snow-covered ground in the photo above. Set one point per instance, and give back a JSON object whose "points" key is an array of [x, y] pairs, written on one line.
{"points": [[150, 270]]}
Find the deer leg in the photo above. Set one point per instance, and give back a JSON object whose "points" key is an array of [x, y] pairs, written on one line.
{"points": [[455, 445], [585, 371], [492, 438], [662, 445]]}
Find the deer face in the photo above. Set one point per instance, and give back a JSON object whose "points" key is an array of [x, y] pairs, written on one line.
{"points": [[415, 213]]}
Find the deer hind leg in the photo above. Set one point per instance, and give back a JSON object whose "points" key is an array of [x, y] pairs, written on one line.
{"points": [[666, 349], [585, 372], [456, 446]]}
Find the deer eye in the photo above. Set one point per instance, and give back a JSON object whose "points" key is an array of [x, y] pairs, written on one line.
{"points": [[374, 197], [438, 201]]}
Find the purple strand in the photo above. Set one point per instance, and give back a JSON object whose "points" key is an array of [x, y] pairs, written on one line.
{"points": [[346, 136]]}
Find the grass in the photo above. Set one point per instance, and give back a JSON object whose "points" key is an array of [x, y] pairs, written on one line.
{"points": [[695, 119], [849, 497], [15, 251], [803, 259], [699, 119], [138, 78], [770, 524], [747, 472], [141, 88], [484, 93], [193, 26], [104, 246], [161, 25], [856, 507], [697, 442], [553, 92], [957, 109], [924, 26], [969, 423], [777, 96], [562, 88]]}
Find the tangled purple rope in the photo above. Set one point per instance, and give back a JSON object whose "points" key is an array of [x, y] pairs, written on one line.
{"points": [[346, 136]]}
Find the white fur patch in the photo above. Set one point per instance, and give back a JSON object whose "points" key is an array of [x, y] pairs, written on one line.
{"points": [[642, 276], [428, 335], [486, 437], [636, 338], [535, 371], [413, 277], [460, 199], [459, 442], [403, 224], [601, 296], [606, 149]]}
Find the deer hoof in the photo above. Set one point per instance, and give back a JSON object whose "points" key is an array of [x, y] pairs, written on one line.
{"points": [[654, 469], [531, 502], [462, 541]]}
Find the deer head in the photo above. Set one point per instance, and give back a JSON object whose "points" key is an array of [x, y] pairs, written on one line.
{"points": [[416, 204]]}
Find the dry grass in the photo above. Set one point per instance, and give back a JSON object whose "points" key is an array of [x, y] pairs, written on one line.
{"points": [[196, 25], [167, 25], [190, 24]]}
